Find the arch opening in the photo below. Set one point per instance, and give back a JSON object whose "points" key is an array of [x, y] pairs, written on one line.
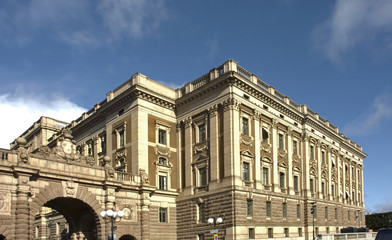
{"points": [[66, 218]]}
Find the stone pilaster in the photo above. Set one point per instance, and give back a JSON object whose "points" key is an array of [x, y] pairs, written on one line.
{"points": [[275, 173], [214, 147], [22, 226], [290, 182], [188, 156], [305, 163], [257, 141], [179, 157], [145, 216]]}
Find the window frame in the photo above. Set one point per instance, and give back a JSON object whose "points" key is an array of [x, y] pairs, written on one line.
{"points": [[163, 215]]}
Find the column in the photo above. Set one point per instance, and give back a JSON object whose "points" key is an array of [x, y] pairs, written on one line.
{"points": [[305, 164], [179, 157], [231, 139], [290, 182], [319, 179], [257, 142], [339, 189], [329, 162], [188, 156], [22, 225], [214, 147], [145, 216], [275, 173]]}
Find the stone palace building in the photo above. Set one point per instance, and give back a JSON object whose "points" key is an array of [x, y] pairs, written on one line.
{"points": [[226, 145]]}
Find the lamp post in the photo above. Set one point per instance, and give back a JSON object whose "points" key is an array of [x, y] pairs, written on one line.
{"points": [[312, 211], [113, 215], [213, 222]]}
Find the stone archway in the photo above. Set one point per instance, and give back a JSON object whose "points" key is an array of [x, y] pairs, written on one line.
{"points": [[127, 237], [79, 216], [80, 209]]}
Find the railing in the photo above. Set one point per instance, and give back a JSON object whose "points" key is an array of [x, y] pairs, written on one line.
{"points": [[345, 236], [263, 85], [201, 81], [123, 176], [243, 72], [279, 95]]}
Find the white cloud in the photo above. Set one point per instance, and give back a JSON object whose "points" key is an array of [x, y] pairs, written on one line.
{"points": [[355, 23], [19, 113], [131, 18], [382, 208], [381, 110], [80, 23]]}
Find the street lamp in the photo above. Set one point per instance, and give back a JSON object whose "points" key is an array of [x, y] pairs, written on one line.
{"points": [[213, 222], [313, 209], [113, 215]]}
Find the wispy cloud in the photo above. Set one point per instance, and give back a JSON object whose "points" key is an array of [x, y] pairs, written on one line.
{"points": [[21, 111], [80, 23], [381, 110], [131, 19], [355, 23], [382, 208]]}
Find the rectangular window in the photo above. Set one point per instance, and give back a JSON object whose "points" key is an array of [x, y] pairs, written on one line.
{"points": [[200, 237], [121, 138], [311, 185], [57, 228], [245, 171], [103, 144], [265, 176], [268, 209], [327, 230], [249, 207], [270, 233], [202, 133], [337, 229], [323, 157], [264, 135], [326, 213], [281, 180], [311, 152], [315, 211], [323, 188], [348, 215], [284, 210], [201, 208], [333, 190], [281, 141], [251, 233], [317, 230], [286, 232], [299, 232], [202, 176], [162, 182], [162, 136], [163, 215], [336, 214], [245, 126], [296, 183], [295, 147], [298, 211]]}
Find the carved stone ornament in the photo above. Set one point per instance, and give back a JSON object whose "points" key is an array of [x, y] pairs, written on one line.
{"points": [[66, 148], [89, 160], [5, 203], [129, 212], [266, 147], [69, 188], [246, 140], [160, 151], [143, 176], [44, 151], [282, 153], [200, 147], [109, 170], [22, 150]]}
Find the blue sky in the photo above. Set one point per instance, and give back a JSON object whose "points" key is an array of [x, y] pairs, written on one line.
{"points": [[59, 58]]}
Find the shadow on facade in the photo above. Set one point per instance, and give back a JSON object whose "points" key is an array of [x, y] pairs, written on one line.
{"points": [[127, 237], [67, 218]]}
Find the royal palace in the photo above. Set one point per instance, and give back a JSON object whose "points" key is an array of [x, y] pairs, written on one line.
{"points": [[226, 155]]}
